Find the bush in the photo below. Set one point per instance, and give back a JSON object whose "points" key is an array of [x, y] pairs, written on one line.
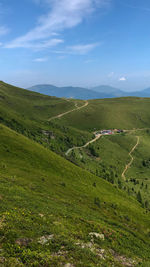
{"points": [[63, 184], [94, 184], [139, 197], [97, 201]]}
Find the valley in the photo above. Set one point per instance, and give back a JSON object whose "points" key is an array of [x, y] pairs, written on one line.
{"points": [[72, 195]]}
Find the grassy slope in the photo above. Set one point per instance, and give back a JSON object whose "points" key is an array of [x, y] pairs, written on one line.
{"points": [[111, 153], [30, 105], [28, 113], [42, 193], [125, 113]]}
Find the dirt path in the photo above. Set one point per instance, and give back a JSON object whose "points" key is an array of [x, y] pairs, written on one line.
{"points": [[131, 161], [67, 112], [89, 142], [133, 130]]}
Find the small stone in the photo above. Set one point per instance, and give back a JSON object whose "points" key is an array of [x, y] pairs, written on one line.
{"points": [[41, 215], [44, 239], [97, 235], [23, 241], [101, 253], [69, 265], [2, 259]]}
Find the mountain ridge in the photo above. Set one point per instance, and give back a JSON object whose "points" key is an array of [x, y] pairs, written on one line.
{"points": [[67, 92], [98, 92]]}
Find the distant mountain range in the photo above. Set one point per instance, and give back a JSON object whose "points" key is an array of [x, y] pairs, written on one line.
{"points": [[102, 91], [143, 93]]}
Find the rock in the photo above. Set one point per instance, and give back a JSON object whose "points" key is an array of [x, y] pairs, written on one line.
{"points": [[123, 259], [126, 261], [23, 241], [44, 239], [41, 215], [60, 253], [101, 253], [97, 235], [2, 259], [86, 245], [68, 265]]}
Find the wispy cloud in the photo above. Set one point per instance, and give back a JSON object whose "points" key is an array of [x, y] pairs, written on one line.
{"points": [[63, 14], [42, 44], [3, 30], [122, 79], [111, 74], [147, 9], [89, 61], [41, 59], [79, 49]]}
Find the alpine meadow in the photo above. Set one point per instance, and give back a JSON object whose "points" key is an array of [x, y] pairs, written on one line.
{"points": [[74, 133]]}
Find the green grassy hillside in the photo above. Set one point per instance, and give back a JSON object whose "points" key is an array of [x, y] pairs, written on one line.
{"points": [[125, 113], [108, 157], [28, 113], [30, 105], [54, 213], [49, 207]]}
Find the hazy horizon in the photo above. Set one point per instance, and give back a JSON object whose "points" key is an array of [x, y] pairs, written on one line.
{"points": [[79, 43]]}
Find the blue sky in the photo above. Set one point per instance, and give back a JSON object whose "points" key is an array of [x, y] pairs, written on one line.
{"points": [[75, 42]]}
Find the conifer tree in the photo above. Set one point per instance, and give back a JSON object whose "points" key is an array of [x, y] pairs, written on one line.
{"points": [[139, 197]]}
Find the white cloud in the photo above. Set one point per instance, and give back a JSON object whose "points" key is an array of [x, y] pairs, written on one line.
{"points": [[36, 46], [80, 49], [3, 30], [111, 74], [63, 14], [122, 79], [147, 9], [89, 61], [42, 59]]}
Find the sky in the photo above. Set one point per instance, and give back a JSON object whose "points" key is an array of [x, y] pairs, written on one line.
{"points": [[75, 42]]}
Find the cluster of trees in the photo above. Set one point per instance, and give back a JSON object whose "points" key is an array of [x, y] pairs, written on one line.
{"points": [[93, 151], [109, 173], [145, 204], [146, 163]]}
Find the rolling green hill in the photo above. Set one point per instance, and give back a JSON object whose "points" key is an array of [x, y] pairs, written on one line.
{"points": [[125, 113], [54, 213], [108, 157], [29, 113], [49, 207]]}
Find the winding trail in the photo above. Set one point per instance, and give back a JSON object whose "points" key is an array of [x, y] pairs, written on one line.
{"points": [[132, 158], [67, 112], [98, 136], [89, 142]]}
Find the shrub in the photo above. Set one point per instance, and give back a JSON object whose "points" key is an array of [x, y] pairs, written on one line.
{"points": [[139, 197], [63, 184], [97, 201], [94, 184]]}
